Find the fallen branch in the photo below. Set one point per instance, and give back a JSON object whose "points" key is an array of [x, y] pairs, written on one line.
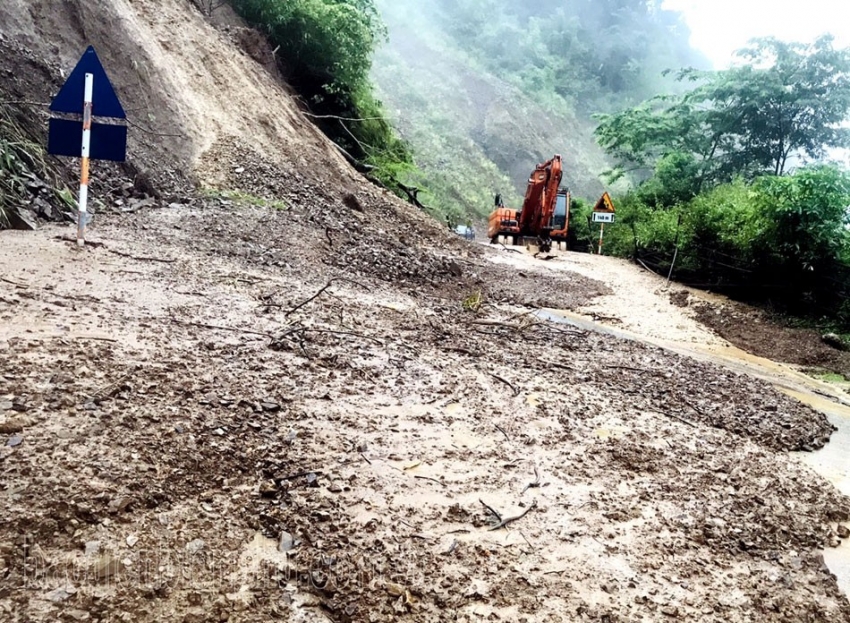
{"points": [[79, 337], [351, 333], [534, 484], [696, 409], [312, 298], [110, 389], [631, 369], [89, 243], [203, 325], [506, 382], [507, 520], [140, 258], [501, 430], [462, 351], [442, 484], [560, 366], [640, 261], [309, 300], [507, 248], [300, 474], [312, 116], [492, 510], [365, 459], [506, 325], [14, 283], [679, 418]]}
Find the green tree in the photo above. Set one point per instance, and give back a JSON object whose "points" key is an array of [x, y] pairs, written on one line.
{"points": [[805, 218], [326, 44], [325, 48], [788, 100]]}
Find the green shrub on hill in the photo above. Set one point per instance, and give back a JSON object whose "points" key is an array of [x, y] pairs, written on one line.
{"points": [[325, 50]]}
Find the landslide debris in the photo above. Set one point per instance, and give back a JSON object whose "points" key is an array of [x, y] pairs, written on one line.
{"points": [[240, 413]]}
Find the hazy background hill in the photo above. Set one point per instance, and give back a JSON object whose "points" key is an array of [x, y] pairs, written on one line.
{"points": [[485, 89]]}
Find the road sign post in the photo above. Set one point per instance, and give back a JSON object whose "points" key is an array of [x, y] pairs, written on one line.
{"points": [[603, 212], [86, 93], [85, 151]]}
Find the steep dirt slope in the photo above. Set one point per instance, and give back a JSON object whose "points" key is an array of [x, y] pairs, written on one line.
{"points": [[177, 75]]}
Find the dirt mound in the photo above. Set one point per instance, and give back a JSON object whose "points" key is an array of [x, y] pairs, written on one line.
{"points": [[185, 84], [756, 331]]}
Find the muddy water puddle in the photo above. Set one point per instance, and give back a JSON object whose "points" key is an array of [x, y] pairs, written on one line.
{"points": [[832, 462]]}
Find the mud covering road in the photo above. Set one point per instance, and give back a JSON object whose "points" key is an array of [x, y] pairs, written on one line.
{"points": [[187, 437]]}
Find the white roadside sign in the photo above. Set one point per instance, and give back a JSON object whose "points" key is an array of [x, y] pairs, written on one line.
{"points": [[603, 217]]}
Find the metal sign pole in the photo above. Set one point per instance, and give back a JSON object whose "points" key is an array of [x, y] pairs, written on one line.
{"points": [[82, 218], [601, 234]]}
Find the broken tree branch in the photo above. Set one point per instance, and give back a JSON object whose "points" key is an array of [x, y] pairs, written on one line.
{"points": [[14, 283], [507, 520], [141, 258], [442, 484], [679, 418], [534, 484], [506, 382], [312, 116], [203, 325], [492, 510]]}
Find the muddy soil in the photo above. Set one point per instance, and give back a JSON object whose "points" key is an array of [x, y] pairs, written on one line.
{"points": [[765, 335], [196, 429]]}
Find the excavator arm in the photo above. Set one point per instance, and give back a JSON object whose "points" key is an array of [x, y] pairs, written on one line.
{"points": [[535, 218]]}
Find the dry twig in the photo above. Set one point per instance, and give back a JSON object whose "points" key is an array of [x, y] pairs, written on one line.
{"points": [[506, 382], [534, 484], [140, 258], [507, 520]]}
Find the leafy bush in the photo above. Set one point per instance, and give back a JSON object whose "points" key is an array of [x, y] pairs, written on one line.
{"points": [[783, 239], [326, 45], [805, 217]]}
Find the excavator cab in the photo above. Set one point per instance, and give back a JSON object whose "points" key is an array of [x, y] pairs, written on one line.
{"points": [[561, 219], [562, 204]]}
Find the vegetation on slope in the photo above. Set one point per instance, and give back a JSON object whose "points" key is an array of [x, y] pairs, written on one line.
{"points": [[504, 85], [325, 49], [734, 184], [28, 183]]}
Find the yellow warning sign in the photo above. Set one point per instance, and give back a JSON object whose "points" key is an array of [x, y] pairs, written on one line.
{"points": [[604, 204]]}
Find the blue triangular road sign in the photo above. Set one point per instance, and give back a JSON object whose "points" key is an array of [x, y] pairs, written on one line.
{"points": [[105, 101]]}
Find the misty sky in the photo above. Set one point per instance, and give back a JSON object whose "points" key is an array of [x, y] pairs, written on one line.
{"points": [[719, 27]]}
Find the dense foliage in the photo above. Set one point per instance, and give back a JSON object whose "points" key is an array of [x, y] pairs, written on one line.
{"points": [[325, 50], [717, 197], [587, 55], [788, 100]]}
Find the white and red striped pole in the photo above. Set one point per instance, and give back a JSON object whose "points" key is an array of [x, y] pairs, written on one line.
{"points": [[82, 218]]}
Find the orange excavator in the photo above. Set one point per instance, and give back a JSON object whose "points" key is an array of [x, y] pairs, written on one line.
{"points": [[544, 216]]}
